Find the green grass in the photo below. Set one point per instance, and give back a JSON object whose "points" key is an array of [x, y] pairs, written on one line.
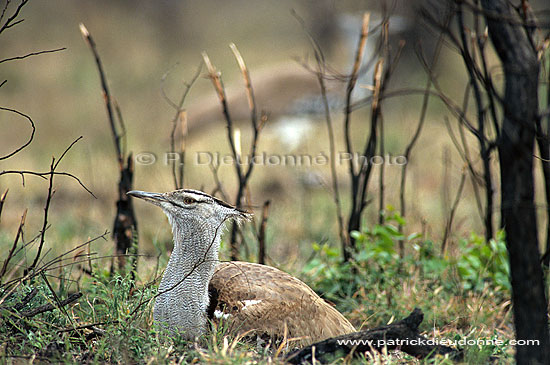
{"points": [[112, 321]]}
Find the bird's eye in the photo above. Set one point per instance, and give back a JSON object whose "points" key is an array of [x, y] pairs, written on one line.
{"points": [[188, 200]]}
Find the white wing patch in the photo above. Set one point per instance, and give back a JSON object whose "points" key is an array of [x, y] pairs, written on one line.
{"points": [[249, 303], [219, 314]]}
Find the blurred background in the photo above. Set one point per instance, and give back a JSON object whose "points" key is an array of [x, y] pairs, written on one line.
{"points": [[140, 41]]}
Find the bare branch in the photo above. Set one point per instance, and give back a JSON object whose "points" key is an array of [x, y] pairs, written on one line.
{"points": [[234, 144], [248, 85], [2, 200], [4, 9], [179, 119], [14, 246], [49, 307], [44, 174], [122, 127], [219, 186], [261, 233], [215, 77], [49, 266], [416, 135], [32, 54], [449, 224], [125, 223], [10, 22], [30, 138], [45, 221], [49, 196], [106, 95], [319, 56], [351, 85]]}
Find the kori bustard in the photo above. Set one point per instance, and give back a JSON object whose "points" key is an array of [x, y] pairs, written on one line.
{"points": [[196, 287]]}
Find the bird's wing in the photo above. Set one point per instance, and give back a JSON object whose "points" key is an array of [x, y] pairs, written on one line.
{"points": [[268, 301]]}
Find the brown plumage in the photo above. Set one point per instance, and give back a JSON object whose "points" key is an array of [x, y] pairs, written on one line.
{"points": [[264, 300], [251, 298]]}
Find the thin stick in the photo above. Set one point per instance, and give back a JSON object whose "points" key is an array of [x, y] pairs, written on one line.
{"points": [[344, 239], [125, 223], [45, 220], [375, 102], [214, 76], [43, 176], [485, 150], [351, 85], [49, 196], [248, 85], [184, 130], [419, 126], [46, 266], [61, 304], [357, 202], [49, 307], [449, 224], [178, 173], [4, 9], [32, 54], [219, 186], [261, 233], [25, 300], [122, 126], [321, 74], [242, 177], [10, 22], [2, 200], [106, 95], [14, 246], [30, 138]]}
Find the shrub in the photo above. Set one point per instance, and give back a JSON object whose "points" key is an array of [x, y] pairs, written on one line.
{"points": [[482, 263]]}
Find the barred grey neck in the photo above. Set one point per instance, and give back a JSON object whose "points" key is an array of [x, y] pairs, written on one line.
{"points": [[183, 301], [197, 221]]}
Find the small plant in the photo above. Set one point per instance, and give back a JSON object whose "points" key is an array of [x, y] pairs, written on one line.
{"points": [[376, 284], [484, 263], [375, 264]]}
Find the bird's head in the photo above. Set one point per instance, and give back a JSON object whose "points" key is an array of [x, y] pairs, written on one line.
{"points": [[186, 206]]}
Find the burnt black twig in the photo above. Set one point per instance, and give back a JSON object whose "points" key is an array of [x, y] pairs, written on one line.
{"points": [[49, 307], [18, 235], [43, 175], [49, 196], [125, 223], [321, 72], [262, 233], [416, 135], [32, 54], [11, 21], [30, 137], [106, 94], [452, 212]]}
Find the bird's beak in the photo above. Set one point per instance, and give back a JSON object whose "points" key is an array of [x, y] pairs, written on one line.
{"points": [[154, 198]]}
